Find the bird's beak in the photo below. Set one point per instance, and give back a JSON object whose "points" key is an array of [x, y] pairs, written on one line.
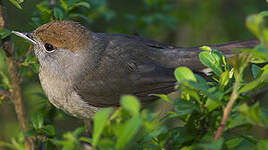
{"points": [[26, 35]]}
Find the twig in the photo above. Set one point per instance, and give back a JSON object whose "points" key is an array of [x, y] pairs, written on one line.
{"points": [[16, 94], [5, 93], [30, 50], [228, 109]]}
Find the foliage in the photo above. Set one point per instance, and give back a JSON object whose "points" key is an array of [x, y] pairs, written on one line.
{"points": [[196, 114]]}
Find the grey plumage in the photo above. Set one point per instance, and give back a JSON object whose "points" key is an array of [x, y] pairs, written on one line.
{"points": [[90, 70]]}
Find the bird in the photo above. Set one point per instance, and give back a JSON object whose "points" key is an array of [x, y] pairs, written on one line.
{"points": [[82, 71]]}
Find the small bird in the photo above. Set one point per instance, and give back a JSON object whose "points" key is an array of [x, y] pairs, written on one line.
{"points": [[82, 71]]}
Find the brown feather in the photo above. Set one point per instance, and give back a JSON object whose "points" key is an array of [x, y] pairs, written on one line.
{"points": [[63, 34]]}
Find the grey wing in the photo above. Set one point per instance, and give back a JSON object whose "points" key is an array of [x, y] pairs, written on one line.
{"points": [[126, 67]]}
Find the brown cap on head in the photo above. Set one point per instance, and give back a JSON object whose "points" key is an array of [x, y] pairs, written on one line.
{"points": [[63, 34]]}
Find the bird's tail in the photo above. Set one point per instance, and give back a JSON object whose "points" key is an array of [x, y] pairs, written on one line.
{"points": [[228, 49]]}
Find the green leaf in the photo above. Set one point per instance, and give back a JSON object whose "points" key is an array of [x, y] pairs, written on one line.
{"points": [[208, 143], [212, 104], [155, 133], [5, 80], [238, 120], [78, 131], [224, 79], [38, 120], [212, 60], [193, 93], [253, 22], [82, 4], [206, 48], [202, 81], [70, 140], [260, 55], [163, 97], [31, 132], [184, 74], [100, 119], [253, 114], [184, 107], [17, 3], [131, 104], [251, 85], [48, 130], [43, 9], [263, 28], [256, 70], [233, 143], [4, 33], [85, 139], [20, 1], [80, 16], [264, 75], [8, 145], [64, 5], [58, 13], [130, 128], [239, 63], [262, 145], [212, 93], [260, 80]]}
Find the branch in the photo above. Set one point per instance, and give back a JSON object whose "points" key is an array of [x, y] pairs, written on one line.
{"points": [[228, 48], [5, 93], [228, 109], [29, 51], [13, 71]]}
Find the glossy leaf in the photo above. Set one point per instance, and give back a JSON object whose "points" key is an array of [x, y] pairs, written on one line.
{"points": [[183, 107], [212, 104], [131, 104], [82, 4], [184, 74], [4, 33], [17, 3], [58, 13], [211, 60], [100, 119], [224, 79], [256, 70], [129, 130]]}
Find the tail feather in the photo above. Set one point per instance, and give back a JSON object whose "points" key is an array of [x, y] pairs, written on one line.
{"points": [[228, 49]]}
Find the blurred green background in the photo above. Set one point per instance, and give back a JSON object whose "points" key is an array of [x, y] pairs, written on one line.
{"points": [[176, 22]]}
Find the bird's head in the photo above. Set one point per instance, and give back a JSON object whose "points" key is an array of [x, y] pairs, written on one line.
{"points": [[59, 44]]}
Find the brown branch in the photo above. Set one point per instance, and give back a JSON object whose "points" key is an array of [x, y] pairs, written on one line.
{"points": [[29, 51], [18, 100], [13, 71], [5, 93], [228, 109]]}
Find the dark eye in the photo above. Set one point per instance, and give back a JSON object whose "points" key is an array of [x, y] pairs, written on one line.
{"points": [[49, 47]]}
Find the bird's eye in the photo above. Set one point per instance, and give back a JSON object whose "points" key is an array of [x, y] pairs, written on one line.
{"points": [[49, 47]]}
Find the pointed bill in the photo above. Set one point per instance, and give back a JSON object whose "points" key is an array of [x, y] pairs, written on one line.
{"points": [[25, 35]]}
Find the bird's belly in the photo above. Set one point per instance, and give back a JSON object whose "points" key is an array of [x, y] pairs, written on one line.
{"points": [[62, 96]]}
